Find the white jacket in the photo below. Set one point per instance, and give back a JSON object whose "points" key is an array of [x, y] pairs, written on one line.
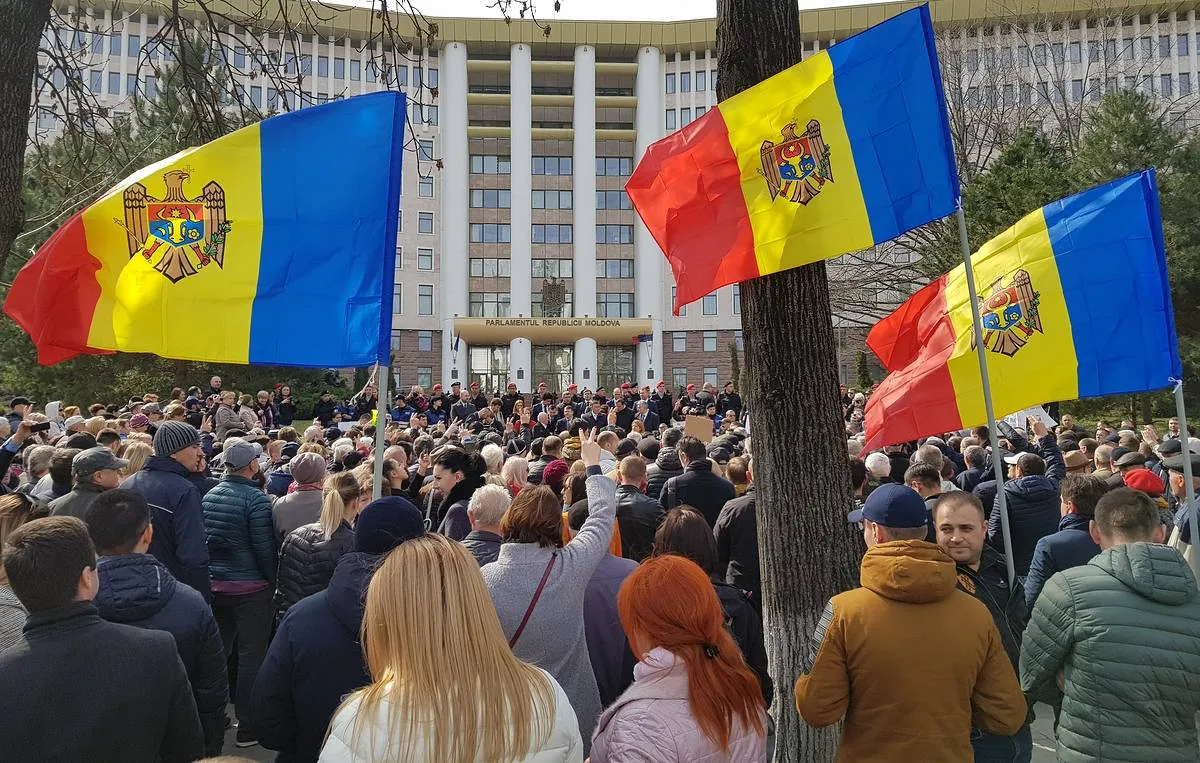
{"points": [[372, 743]]}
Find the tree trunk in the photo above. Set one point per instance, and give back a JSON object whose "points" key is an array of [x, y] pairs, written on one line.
{"points": [[21, 25], [800, 465]]}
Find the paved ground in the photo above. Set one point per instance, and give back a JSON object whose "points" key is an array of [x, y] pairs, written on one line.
{"points": [[1043, 741]]}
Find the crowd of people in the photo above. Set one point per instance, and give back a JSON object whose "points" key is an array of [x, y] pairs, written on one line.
{"points": [[560, 577]]}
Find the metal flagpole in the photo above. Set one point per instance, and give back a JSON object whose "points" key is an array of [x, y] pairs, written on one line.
{"points": [[381, 420], [994, 436], [1181, 414]]}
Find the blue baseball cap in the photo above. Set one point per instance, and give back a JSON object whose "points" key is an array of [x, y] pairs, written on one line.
{"points": [[893, 505]]}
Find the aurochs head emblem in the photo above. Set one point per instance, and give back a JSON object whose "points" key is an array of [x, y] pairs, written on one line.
{"points": [[1010, 314], [798, 167], [178, 236]]}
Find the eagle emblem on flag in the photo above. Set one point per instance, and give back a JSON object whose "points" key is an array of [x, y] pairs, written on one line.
{"points": [[1010, 315], [798, 167], [178, 236]]}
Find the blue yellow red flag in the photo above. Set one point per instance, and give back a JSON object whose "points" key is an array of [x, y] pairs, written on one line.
{"points": [[274, 244]]}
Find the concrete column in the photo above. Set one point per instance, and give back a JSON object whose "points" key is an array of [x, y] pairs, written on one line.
{"points": [[583, 184], [521, 155], [452, 301], [648, 258], [585, 358], [520, 357]]}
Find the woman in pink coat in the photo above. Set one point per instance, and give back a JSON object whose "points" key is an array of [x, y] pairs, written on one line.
{"points": [[693, 699]]}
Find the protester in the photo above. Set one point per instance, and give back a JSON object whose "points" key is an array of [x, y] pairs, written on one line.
{"points": [[1072, 545], [1181, 536], [429, 591], [485, 511], [515, 474], [1116, 642], [94, 470], [936, 694], [457, 474], [736, 534], [638, 515], [15, 510], [316, 657], [241, 540], [74, 686], [301, 504], [58, 480], [666, 464], [136, 589], [698, 486], [179, 534], [693, 697], [538, 585]]}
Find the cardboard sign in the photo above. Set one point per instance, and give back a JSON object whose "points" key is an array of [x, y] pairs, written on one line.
{"points": [[700, 427]]}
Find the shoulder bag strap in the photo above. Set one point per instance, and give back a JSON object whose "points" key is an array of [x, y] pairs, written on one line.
{"points": [[533, 603]]}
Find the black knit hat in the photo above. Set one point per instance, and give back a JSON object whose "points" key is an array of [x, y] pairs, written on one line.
{"points": [[386, 523], [174, 436]]}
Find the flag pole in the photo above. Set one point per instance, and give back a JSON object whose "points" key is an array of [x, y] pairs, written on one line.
{"points": [[1181, 414], [993, 435], [381, 419]]}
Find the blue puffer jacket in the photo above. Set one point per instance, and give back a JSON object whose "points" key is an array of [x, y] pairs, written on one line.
{"points": [[241, 536], [1033, 506], [136, 589], [1070, 547], [179, 535]]}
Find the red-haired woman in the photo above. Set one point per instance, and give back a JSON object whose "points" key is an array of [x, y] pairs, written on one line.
{"points": [[692, 698]]}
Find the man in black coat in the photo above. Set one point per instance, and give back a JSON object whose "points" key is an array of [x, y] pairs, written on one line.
{"points": [[736, 534], [136, 589], [729, 401], [638, 515], [662, 401], [75, 687], [697, 487], [509, 399], [464, 408], [648, 417], [976, 459], [623, 413]]}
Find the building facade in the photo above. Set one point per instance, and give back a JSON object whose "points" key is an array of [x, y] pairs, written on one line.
{"points": [[519, 257]]}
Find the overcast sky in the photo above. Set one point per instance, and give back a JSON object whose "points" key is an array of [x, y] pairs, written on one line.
{"points": [[610, 10]]}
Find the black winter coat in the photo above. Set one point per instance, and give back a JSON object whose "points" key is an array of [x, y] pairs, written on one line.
{"points": [[77, 688], [638, 517], [667, 466], [745, 625], [969, 479], [484, 546], [314, 660], [136, 589], [736, 533], [699, 488], [179, 537], [306, 563]]}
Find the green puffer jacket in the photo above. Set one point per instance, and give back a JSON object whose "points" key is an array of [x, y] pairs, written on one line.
{"points": [[1124, 629]]}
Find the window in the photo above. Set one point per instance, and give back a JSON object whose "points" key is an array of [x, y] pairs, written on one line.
{"points": [[712, 79], [670, 83], [339, 68], [114, 83], [490, 267], [710, 304], [431, 78], [614, 268], [679, 377], [682, 310], [614, 166], [678, 341], [425, 377], [424, 259], [489, 304], [355, 70], [239, 57], [685, 117], [46, 119], [1147, 47], [398, 298], [490, 164], [322, 66], [1075, 53], [399, 258], [971, 59], [425, 187], [1039, 55], [425, 341], [135, 46], [700, 85], [1181, 44], [552, 234], [256, 96], [491, 198], [151, 86], [97, 43], [1185, 83], [95, 80], [289, 64], [1056, 50], [700, 111], [710, 376], [557, 268], [114, 44], [425, 299], [131, 84], [491, 233], [613, 200], [425, 149], [685, 82], [614, 234], [1164, 86], [537, 311], [272, 99], [1164, 46], [614, 304], [552, 199], [737, 340], [670, 119], [551, 165], [710, 341], [1077, 90], [372, 71], [424, 222], [737, 299]]}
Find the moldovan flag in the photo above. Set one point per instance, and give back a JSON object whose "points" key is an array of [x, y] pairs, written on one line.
{"points": [[846, 150], [274, 244], [1075, 302]]}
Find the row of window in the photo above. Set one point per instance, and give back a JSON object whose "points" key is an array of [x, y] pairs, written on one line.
{"points": [[1164, 85], [685, 117], [1072, 52], [424, 299], [497, 304], [679, 340], [501, 198], [424, 342], [501, 233], [495, 164], [704, 81], [679, 377], [501, 267], [708, 305]]}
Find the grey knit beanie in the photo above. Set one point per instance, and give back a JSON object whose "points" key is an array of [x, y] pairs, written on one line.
{"points": [[174, 436]]}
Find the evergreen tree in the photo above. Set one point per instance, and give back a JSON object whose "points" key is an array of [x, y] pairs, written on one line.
{"points": [[863, 372]]}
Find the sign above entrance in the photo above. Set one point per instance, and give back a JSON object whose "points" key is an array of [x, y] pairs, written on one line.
{"points": [[552, 330]]}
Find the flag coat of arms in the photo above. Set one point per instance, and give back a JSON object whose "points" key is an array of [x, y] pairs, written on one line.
{"points": [[1047, 287], [843, 151], [222, 252]]}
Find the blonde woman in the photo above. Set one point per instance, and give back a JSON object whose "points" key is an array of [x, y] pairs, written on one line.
{"points": [[309, 553], [492, 708], [515, 473], [137, 454]]}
